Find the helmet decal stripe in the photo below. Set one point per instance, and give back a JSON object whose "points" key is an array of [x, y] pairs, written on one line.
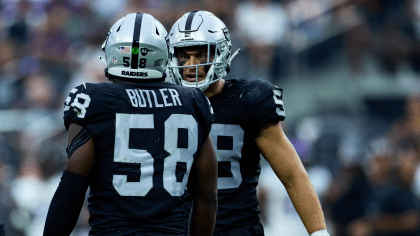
{"points": [[136, 41], [189, 20]]}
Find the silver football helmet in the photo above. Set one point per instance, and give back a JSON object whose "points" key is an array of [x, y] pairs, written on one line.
{"points": [[136, 47], [201, 28]]}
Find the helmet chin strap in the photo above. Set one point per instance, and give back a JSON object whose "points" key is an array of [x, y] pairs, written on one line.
{"points": [[233, 56]]}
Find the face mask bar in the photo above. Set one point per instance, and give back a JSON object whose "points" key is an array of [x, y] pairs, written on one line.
{"points": [[216, 65]]}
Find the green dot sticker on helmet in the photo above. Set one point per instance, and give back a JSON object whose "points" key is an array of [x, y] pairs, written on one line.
{"points": [[135, 50]]}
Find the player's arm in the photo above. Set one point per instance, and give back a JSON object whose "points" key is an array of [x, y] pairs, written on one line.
{"points": [[285, 162], [69, 197], [202, 185]]}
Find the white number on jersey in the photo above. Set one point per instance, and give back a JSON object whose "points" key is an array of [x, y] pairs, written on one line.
{"points": [[233, 156], [76, 103], [172, 124], [277, 100], [125, 122]]}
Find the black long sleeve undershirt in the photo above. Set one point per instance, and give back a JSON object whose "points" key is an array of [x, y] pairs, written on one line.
{"points": [[66, 205]]}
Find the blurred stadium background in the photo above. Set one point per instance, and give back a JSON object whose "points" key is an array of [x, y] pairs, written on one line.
{"points": [[350, 70]]}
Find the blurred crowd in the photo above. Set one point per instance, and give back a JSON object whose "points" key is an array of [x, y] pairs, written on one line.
{"points": [[362, 155]]}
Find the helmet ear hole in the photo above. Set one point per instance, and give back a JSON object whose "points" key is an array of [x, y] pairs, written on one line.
{"points": [[157, 32]]}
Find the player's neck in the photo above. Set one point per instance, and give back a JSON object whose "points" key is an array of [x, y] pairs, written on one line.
{"points": [[117, 81], [131, 81], [215, 88]]}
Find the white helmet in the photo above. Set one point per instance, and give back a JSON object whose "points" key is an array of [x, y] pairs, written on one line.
{"points": [[136, 47], [201, 28]]}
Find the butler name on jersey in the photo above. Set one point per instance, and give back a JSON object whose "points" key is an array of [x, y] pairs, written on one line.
{"points": [[147, 136], [150, 99]]}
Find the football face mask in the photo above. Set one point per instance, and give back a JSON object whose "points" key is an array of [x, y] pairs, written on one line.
{"points": [[200, 29]]}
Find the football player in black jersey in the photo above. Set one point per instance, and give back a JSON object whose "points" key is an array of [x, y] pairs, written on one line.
{"points": [[247, 124], [137, 143]]}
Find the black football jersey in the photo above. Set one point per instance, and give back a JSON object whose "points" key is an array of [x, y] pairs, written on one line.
{"points": [[241, 110], [146, 138]]}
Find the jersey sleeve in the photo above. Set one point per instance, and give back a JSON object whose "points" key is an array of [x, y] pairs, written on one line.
{"points": [[77, 107], [268, 107]]}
